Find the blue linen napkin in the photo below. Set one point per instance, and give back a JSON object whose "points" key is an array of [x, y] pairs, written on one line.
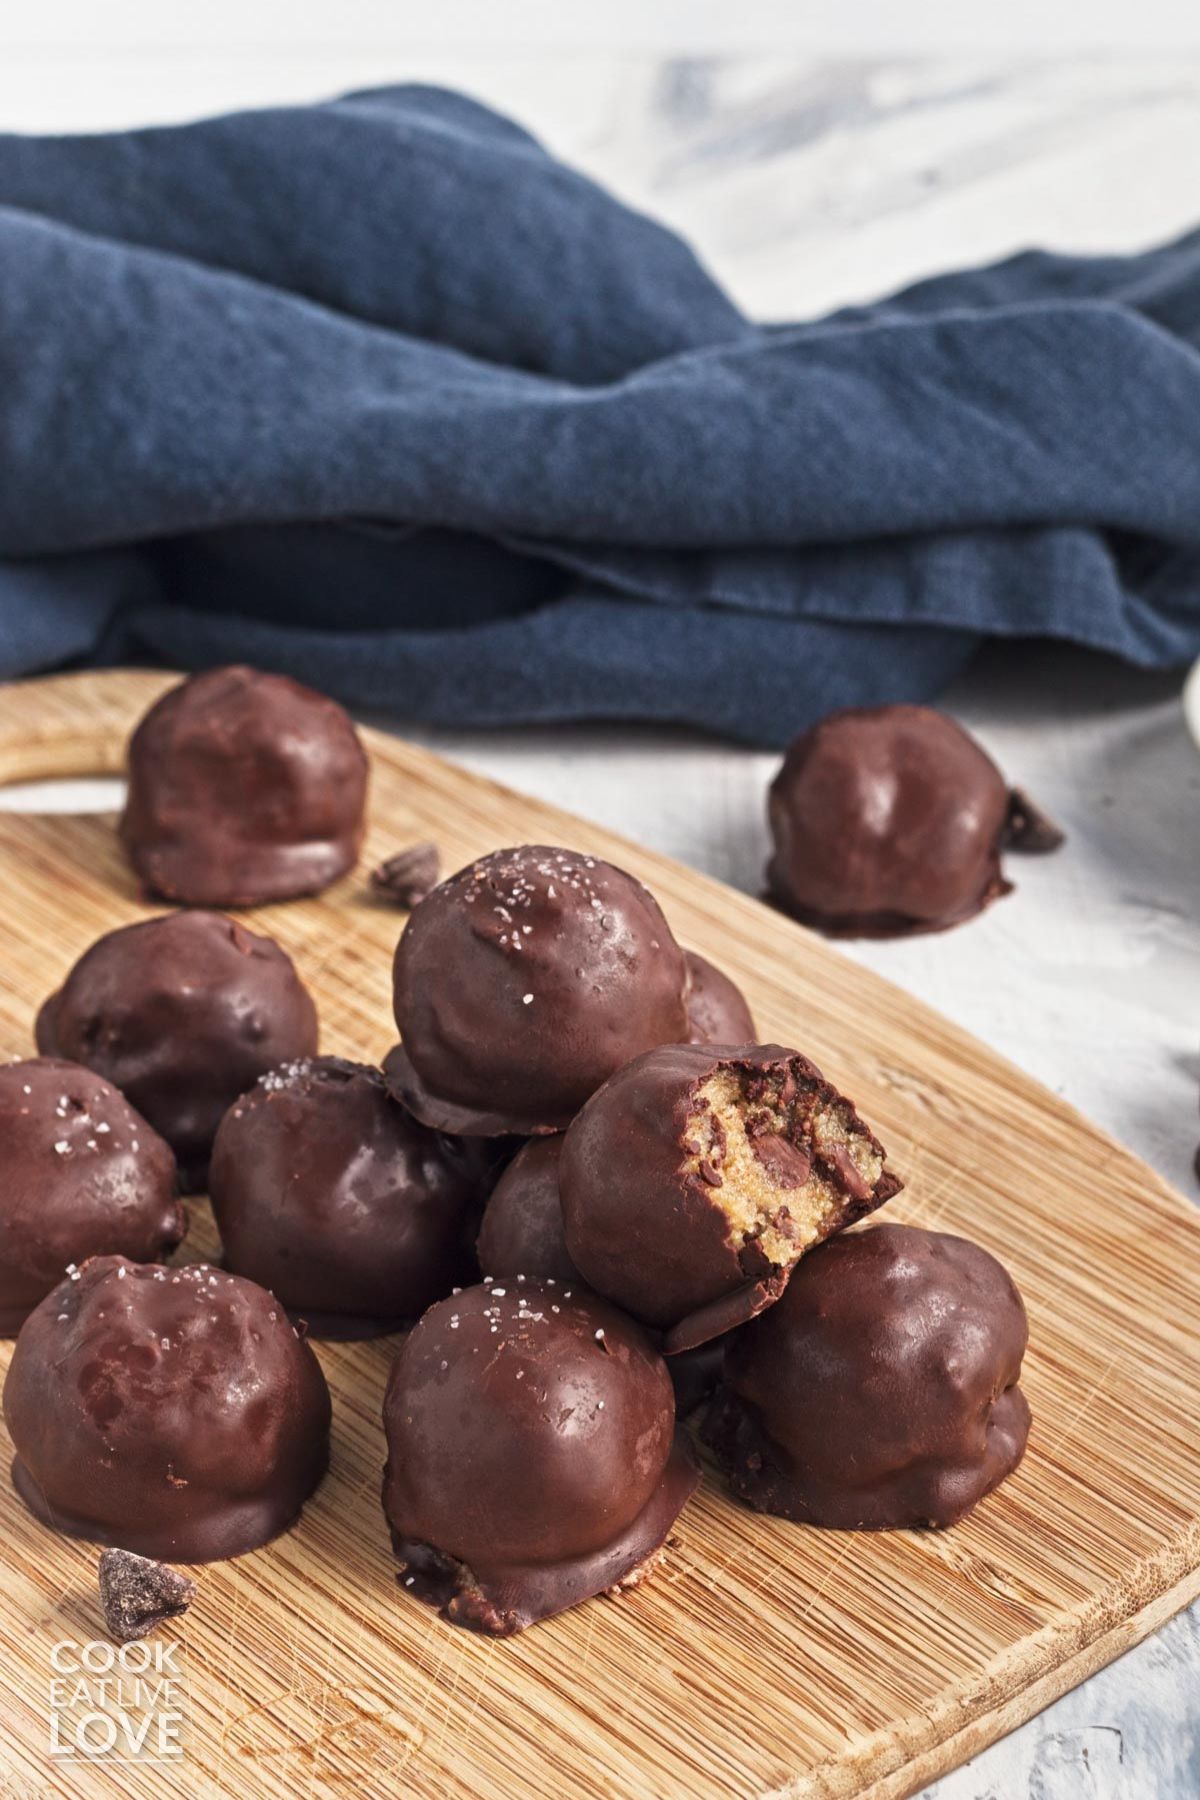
{"points": [[379, 393]]}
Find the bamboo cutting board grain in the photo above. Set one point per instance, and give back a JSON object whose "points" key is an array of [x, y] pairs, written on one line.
{"points": [[769, 1659]]}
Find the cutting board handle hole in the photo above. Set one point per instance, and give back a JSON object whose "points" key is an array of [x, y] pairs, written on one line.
{"points": [[66, 794]]}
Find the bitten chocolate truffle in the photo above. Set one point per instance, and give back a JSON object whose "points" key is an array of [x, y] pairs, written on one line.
{"points": [[697, 1177], [172, 1412], [882, 1390], [327, 1192], [533, 1459], [244, 788], [522, 983], [84, 1175], [522, 1229], [717, 1008], [890, 820], [182, 1013]]}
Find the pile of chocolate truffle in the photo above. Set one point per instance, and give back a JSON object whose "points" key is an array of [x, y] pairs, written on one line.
{"points": [[592, 1204]]}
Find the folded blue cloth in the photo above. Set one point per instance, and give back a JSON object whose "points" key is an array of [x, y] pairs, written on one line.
{"points": [[380, 394]]}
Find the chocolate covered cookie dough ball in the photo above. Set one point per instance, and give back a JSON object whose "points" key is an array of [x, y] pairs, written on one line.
{"points": [[695, 1374], [522, 1229], [172, 1412], [533, 1459], [327, 1192], [182, 1013], [717, 1009], [522, 1235], [243, 788], [698, 1176], [84, 1175], [522, 983], [890, 820], [882, 1390]]}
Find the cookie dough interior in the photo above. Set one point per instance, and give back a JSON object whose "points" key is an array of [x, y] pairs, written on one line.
{"points": [[777, 1159]]}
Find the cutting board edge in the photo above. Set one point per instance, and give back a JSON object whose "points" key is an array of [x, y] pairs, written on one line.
{"points": [[1112, 1621], [1076, 1647]]}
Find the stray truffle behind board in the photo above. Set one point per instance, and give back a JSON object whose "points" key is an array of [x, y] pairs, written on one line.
{"points": [[890, 820]]}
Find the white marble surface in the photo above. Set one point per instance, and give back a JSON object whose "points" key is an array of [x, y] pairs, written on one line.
{"points": [[806, 183]]}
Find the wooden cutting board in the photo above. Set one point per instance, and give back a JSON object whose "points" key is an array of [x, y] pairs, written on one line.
{"points": [[769, 1659]]}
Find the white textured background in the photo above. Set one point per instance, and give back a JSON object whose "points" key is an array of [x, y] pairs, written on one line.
{"points": [[817, 155]]}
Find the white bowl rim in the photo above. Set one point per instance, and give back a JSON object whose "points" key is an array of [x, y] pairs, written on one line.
{"points": [[1191, 702]]}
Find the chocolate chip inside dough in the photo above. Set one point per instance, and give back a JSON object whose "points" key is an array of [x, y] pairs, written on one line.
{"points": [[696, 1177], [779, 1159]]}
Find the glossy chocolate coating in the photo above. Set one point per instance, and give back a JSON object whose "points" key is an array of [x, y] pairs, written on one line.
{"points": [[244, 788], [533, 1459], [695, 1374], [522, 1234], [885, 821], [522, 1230], [183, 1013], [84, 1175], [881, 1390], [327, 1192], [522, 983], [717, 1009], [173, 1412], [646, 1227]]}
